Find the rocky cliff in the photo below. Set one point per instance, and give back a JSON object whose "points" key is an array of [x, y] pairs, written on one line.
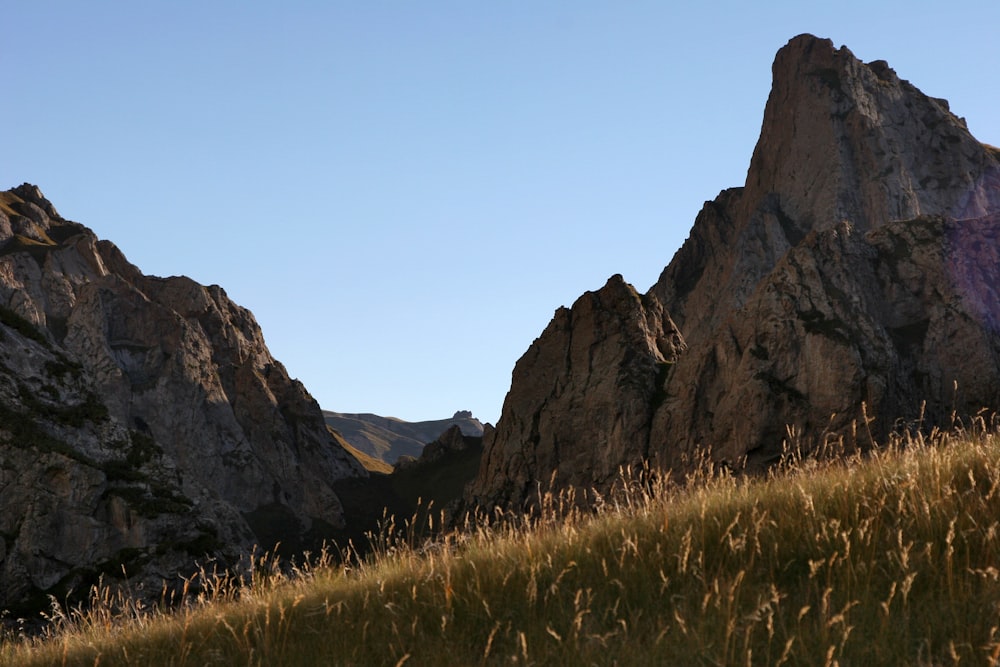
{"points": [[853, 274], [143, 422]]}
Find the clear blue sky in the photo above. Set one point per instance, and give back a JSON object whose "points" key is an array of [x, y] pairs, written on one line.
{"points": [[404, 192]]}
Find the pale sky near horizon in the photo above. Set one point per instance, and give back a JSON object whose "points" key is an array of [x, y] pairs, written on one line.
{"points": [[404, 192]]}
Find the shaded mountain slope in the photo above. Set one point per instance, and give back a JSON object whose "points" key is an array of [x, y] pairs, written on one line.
{"points": [[416, 489]]}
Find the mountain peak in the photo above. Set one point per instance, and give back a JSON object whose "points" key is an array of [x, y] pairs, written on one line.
{"points": [[846, 140], [31, 194], [826, 283], [805, 46], [840, 140]]}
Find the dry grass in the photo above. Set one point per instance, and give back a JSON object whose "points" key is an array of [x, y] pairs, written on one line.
{"points": [[370, 463], [889, 559], [6, 200]]}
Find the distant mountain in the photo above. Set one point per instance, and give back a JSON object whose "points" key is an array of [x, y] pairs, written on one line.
{"points": [[387, 438]]}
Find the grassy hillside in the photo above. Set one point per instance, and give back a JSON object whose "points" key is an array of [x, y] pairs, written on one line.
{"points": [[889, 560], [375, 442], [370, 463]]}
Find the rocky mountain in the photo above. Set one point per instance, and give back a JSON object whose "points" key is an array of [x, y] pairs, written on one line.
{"points": [[143, 422], [849, 288], [389, 439]]}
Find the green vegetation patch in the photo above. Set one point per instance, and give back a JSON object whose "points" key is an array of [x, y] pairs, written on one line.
{"points": [[62, 366], [150, 500], [36, 249], [813, 321], [11, 319], [370, 463], [142, 449], [90, 409], [26, 433]]}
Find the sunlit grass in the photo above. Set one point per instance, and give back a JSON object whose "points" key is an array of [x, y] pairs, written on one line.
{"points": [[6, 200], [370, 463], [890, 559]]}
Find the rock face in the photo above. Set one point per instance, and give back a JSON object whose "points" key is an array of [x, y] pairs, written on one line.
{"points": [[143, 423], [583, 395], [855, 272]]}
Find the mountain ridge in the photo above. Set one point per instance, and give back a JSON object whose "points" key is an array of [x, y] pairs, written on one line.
{"points": [[388, 438]]}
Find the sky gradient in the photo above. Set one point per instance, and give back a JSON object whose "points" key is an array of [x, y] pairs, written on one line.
{"points": [[404, 192]]}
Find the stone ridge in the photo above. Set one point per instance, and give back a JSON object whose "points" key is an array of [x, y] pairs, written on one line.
{"points": [[855, 267], [145, 424]]}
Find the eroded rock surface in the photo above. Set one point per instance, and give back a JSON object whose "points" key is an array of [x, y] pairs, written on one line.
{"points": [[856, 267], [583, 395], [143, 422]]}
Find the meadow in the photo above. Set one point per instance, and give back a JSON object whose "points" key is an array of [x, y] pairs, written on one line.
{"points": [[890, 557]]}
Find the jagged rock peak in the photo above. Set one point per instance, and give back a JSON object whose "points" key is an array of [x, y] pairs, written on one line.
{"points": [[832, 123], [856, 266], [840, 140], [26, 216], [31, 194]]}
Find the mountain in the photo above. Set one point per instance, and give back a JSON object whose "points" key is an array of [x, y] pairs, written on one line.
{"points": [[144, 425], [388, 439], [847, 289]]}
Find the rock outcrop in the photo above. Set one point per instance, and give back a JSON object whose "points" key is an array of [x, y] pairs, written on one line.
{"points": [[854, 274], [143, 422], [583, 395]]}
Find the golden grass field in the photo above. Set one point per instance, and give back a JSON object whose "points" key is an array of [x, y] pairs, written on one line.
{"points": [[891, 558]]}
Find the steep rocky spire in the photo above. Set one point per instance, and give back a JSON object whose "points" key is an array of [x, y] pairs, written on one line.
{"points": [[853, 268]]}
